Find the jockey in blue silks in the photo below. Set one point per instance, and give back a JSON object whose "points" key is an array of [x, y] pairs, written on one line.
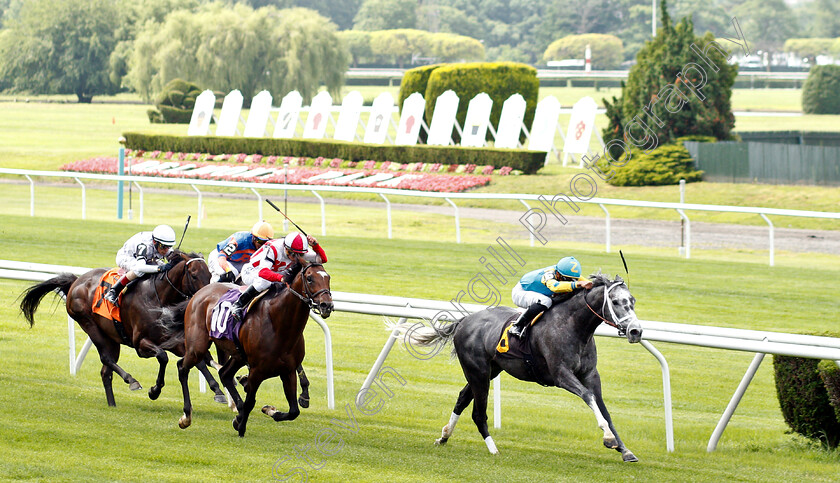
{"points": [[534, 290]]}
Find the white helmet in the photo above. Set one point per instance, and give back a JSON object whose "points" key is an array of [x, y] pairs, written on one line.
{"points": [[296, 243], [164, 234]]}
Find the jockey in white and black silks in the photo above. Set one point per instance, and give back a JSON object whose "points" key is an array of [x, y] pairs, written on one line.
{"points": [[534, 290], [271, 263], [229, 256], [143, 253]]}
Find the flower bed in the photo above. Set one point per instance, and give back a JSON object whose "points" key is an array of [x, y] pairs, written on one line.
{"points": [[317, 171]]}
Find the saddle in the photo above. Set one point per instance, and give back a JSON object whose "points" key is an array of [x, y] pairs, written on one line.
{"points": [[106, 309], [222, 323], [519, 348]]}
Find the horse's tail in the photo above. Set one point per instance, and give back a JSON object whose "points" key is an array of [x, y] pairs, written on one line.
{"points": [[419, 334], [171, 320], [33, 295]]}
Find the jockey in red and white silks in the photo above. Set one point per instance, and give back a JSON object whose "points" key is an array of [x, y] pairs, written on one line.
{"points": [[271, 264]]}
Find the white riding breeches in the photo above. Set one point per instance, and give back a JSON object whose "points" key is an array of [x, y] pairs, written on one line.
{"points": [[250, 276], [216, 269], [525, 298]]}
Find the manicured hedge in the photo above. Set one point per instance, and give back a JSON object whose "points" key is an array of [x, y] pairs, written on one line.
{"points": [[175, 102], [499, 80], [804, 401], [526, 161], [821, 92]]}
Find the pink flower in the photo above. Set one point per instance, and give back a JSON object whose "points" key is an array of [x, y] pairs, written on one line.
{"points": [[369, 164], [487, 170], [256, 158], [271, 160], [505, 170], [318, 161], [335, 163], [385, 165], [240, 158], [168, 155], [452, 167], [182, 156]]}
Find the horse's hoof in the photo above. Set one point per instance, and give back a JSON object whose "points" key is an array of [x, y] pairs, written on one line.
{"points": [[135, 386], [236, 424], [611, 443], [441, 441], [269, 410], [304, 403], [220, 398], [184, 422], [630, 457], [154, 393]]}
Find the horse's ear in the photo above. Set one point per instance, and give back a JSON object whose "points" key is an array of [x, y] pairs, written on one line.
{"points": [[618, 278]]}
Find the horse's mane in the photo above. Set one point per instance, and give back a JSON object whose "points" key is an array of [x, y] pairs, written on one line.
{"points": [[275, 288], [178, 255], [599, 279]]}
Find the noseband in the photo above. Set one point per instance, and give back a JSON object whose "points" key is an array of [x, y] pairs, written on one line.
{"points": [[608, 304], [309, 296]]}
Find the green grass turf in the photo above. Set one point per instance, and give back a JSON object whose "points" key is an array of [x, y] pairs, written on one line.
{"points": [[57, 427]]}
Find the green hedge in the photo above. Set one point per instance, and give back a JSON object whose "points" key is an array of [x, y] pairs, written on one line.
{"points": [[526, 161], [175, 102], [667, 164], [415, 80], [499, 80], [830, 375], [821, 92], [804, 400]]}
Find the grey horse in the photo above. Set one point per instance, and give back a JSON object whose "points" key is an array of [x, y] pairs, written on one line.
{"points": [[561, 346]]}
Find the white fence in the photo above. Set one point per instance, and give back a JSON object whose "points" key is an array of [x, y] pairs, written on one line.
{"points": [[404, 308], [524, 198]]}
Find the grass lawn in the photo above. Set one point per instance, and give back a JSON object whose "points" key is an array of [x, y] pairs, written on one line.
{"points": [[58, 427]]}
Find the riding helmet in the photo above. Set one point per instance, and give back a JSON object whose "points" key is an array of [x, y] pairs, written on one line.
{"points": [[164, 234], [296, 242], [262, 231], [569, 267]]}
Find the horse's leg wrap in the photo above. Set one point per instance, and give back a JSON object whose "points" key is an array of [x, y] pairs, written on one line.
{"points": [[448, 429]]}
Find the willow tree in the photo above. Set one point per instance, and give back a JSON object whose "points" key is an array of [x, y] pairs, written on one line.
{"points": [[226, 48], [59, 47]]}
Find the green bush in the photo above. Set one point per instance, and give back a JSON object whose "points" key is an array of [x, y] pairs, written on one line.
{"points": [[607, 50], [804, 400], [175, 102], [666, 164], [526, 161], [809, 47], [821, 92], [830, 375], [155, 117], [415, 80], [499, 80]]}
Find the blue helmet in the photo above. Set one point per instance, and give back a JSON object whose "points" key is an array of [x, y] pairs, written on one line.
{"points": [[569, 267]]}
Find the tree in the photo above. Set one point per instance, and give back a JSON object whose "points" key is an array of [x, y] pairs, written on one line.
{"points": [[226, 48], [60, 47], [357, 43], [386, 15], [767, 23], [341, 12], [399, 45], [665, 97], [607, 51], [447, 47]]}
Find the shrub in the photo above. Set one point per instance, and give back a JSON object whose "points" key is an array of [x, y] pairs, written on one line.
{"points": [[415, 80], [499, 80], [666, 164], [809, 47], [804, 400], [607, 50], [175, 102], [526, 161], [830, 375], [821, 92]]}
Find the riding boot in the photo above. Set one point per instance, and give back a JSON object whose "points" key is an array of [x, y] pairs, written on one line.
{"points": [[113, 293], [517, 329], [244, 299]]}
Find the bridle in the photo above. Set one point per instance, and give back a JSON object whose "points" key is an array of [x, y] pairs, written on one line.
{"points": [[189, 281], [309, 297], [608, 304]]}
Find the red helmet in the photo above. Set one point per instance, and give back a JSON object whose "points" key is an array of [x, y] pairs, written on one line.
{"points": [[297, 243]]}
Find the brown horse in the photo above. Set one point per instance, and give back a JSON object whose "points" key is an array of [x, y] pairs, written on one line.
{"points": [[140, 306], [271, 339]]}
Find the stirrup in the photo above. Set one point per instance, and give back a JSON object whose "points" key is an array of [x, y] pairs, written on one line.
{"points": [[111, 296], [516, 331]]}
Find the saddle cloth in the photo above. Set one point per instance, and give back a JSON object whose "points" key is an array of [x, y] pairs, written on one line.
{"points": [[223, 325], [100, 305]]}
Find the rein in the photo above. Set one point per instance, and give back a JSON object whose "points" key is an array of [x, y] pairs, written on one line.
{"points": [[166, 277], [608, 304], [308, 298]]}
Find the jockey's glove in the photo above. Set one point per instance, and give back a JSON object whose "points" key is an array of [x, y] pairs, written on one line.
{"points": [[165, 267]]}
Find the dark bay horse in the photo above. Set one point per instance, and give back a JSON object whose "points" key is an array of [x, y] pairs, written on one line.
{"points": [[271, 339], [139, 308], [562, 345]]}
